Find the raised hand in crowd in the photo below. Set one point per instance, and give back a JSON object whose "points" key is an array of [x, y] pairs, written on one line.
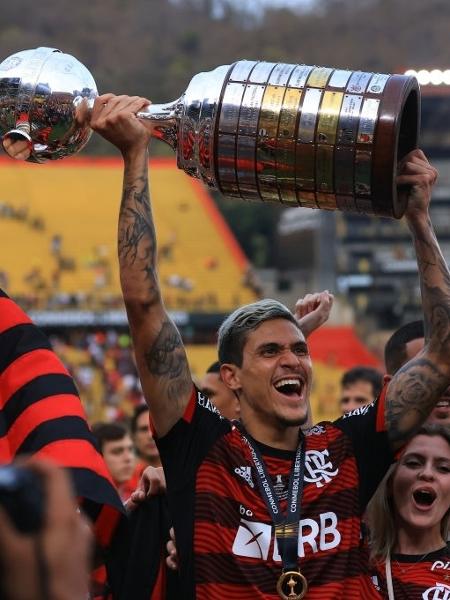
{"points": [[313, 310], [152, 483]]}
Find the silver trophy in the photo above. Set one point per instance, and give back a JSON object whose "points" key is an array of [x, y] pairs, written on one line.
{"points": [[295, 134]]}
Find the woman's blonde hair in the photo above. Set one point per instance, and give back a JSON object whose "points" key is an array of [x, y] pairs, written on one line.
{"points": [[381, 509]]}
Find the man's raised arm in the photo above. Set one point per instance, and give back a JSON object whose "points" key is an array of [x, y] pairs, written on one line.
{"points": [[417, 386], [160, 354]]}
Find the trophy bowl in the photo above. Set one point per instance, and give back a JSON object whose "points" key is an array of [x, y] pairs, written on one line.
{"points": [[294, 134], [45, 97]]}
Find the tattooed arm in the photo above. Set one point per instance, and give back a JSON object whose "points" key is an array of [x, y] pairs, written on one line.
{"points": [[417, 386], [160, 354]]}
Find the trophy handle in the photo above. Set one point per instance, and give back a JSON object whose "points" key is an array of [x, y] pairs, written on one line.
{"points": [[165, 120]]}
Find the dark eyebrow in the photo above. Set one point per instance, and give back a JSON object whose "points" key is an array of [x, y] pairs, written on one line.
{"points": [[301, 345], [413, 455], [269, 346]]}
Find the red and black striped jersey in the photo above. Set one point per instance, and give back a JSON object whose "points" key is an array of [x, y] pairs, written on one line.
{"points": [[415, 577], [224, 533], [41, 415]]}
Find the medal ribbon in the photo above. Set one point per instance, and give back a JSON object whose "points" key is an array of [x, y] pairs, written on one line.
{"points": [[286, 526]]}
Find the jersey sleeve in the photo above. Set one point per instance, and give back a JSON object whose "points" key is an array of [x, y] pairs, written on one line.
{"points": [[365, 426], [184, 447]]}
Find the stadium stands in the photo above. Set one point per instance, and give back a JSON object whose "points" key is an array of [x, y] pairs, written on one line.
{"points": [[73, 248]]}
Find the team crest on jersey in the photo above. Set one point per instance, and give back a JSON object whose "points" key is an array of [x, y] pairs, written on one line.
{"points": [[440, 592], [318, 467], [246, 473]]}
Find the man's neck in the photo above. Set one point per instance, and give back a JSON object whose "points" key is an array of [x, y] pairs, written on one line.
{"points": [[282, 439]]}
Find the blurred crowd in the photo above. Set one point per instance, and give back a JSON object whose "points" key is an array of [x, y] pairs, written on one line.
{"points": [[102, 364]]}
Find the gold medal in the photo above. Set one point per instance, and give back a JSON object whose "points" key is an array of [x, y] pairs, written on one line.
{"points": [[292, 585]]}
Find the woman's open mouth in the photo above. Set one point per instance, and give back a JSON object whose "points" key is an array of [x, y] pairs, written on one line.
{"points": [[424, 498]]}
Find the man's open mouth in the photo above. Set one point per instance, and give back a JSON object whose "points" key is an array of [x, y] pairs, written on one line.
{"points": [[443, 403], [290, 386]]}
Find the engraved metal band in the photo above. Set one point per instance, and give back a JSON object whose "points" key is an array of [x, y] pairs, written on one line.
{"points": [[289, 112], [299, 76], [242, 70], [305, 160], [349, 119], [267, 169], [261, 72], [271, 105], [344, 170], [227, 165], [368, 120], [363, 172], [286, 171], [319, 77], [231, 103], [339, 79], [377, 83], [245, 167], [281, 73], [358, 82], [308, 118], [329, 117], [324, 168], [250, 109]]}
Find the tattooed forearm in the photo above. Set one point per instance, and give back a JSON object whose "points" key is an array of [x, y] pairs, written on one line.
{"points": [[136, 237], [136, 224], [166, 359], [434, 281]]}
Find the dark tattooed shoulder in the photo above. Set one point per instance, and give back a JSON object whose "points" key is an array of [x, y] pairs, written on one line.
{"points": [[411, 397]]}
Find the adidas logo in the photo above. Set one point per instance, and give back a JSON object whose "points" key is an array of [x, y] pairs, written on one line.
{"points": [[245, 473]]}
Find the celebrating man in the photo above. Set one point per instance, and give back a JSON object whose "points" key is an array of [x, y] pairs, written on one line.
{"points": [[260, 510]]}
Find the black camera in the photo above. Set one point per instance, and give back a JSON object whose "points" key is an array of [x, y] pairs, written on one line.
{"points": [[22, 497]]}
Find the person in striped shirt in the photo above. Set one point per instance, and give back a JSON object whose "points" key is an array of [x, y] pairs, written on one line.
{"points": [[259, 509], [409, 521]]}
